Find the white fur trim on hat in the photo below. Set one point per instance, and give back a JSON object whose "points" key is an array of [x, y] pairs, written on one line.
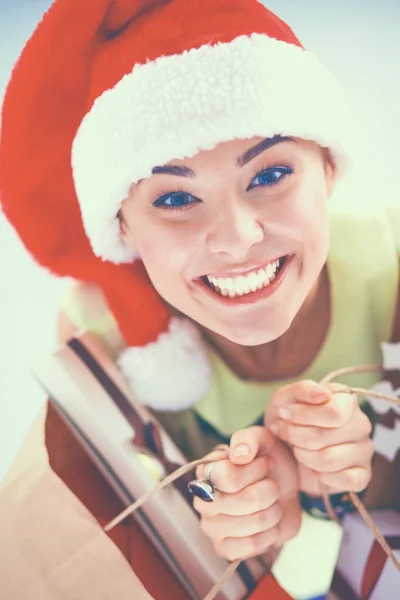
{"points": [[171, 374], [175, 106]]}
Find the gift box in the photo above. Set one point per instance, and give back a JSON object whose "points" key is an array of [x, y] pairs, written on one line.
{"points": [[363, 571], [133, 452]]}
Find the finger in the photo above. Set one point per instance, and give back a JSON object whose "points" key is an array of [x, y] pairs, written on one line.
{"points": [[243, 548], [356, 429], [216, 455], [354, 479], [225, 526], [291, 521], [254, 498], [333, 413], [308, 391], [335, 458], [248, 443], [230, 479]]}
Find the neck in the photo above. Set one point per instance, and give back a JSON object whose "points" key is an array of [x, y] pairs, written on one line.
{"points": [[291, 353]]}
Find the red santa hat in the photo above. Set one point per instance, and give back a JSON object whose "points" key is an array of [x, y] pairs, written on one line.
{"points": [[104, 91]]}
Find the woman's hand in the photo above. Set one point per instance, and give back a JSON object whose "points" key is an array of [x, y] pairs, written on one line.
{"points": [[256, 504], [328, 433]]}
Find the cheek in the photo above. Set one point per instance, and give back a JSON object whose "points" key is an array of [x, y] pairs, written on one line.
{"points": [[307, 219], [166, 254], [316, 218]]}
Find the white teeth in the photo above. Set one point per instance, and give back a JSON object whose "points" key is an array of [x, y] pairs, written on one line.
{"points": [[222, 284], [253, 282], [262, 276], [239, 286]]}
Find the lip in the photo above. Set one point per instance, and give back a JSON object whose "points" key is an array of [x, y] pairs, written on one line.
{"points": [[253, 297], [237, 271]]}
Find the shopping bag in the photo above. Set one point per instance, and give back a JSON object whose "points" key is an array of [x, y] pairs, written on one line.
{"points": [[384, 490], [133, 452], [51, 546], [364, 571]]}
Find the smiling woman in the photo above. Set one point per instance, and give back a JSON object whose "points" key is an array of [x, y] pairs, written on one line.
{"points": [[206, 145], [238, 245]]}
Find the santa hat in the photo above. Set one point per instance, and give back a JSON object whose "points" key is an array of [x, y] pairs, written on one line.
{"points": [[107, 89]]}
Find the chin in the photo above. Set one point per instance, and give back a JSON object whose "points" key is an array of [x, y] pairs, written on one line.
{"points": [[257, 334]]}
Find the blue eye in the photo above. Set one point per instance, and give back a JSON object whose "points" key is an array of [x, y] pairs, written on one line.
{"points": [[270, 177], [175, 200]]}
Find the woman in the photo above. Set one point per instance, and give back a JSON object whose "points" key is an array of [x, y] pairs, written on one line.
{"points": [[206, 141]]}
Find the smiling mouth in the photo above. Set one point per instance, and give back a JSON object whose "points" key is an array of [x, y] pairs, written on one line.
{"points": [[245, 285]]}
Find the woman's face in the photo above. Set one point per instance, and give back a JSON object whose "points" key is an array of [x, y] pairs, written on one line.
{"points": [[235, 237]]}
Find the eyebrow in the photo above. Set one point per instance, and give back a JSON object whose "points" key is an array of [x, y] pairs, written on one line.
{"points": [[174, 170], [249, 155]]}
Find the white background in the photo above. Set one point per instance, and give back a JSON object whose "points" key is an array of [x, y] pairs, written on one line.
{"points": [[357, 39]]}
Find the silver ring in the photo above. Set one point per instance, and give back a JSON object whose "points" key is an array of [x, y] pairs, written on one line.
{"points": [[209, 469], [204, 488]]}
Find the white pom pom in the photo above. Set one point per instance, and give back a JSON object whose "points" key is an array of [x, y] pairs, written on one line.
{"points": [[171, 374]]}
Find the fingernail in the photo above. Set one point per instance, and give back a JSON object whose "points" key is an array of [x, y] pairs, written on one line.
{"points": [[241, 450], [317, 391], [285, 414], [274, 428]]}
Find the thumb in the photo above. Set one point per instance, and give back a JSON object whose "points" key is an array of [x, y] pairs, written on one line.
{"points": [[248, 443]]}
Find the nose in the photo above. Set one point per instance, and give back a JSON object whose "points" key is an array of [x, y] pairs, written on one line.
{"points": [[236, 229]]}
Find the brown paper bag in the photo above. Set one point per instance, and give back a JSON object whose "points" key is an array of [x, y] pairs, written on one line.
{"points": [[51, 547]]}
